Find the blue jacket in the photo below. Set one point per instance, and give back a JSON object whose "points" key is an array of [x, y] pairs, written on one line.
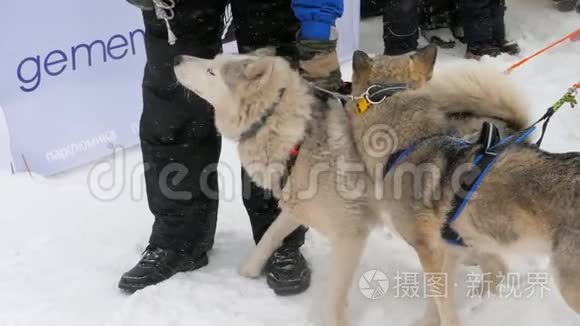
{"points": [[317, 17]]}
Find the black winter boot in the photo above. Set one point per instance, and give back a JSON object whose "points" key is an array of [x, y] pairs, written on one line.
{"points": [[511, 48], [478, 50], [400, 27], [287, 271], [157, 265], [565, 5]]}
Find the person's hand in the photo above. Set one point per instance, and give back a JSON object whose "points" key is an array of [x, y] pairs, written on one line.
{"points": [[319, 62]]}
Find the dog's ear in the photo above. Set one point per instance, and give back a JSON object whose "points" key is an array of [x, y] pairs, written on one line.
{"points": [[269, 51], [361, 61], [424, 60], [260, 69]]}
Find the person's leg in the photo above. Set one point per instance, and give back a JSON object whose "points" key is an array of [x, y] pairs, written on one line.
{"points": [[260, 24], [498, 8], [478, 27], [400, 26], [263, 210], [435, 17], [477, 21], [277, 27], [371, 8], [180, 146], [456, 22], [435, 14]]}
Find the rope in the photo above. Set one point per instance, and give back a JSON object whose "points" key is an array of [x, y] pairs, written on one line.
{"points": [[164, 11], [569, 97]]}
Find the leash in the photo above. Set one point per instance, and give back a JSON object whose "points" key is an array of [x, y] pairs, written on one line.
{"points": [[337, 95], [165, 10], [374, 95], [568, 98], [574, 36]]}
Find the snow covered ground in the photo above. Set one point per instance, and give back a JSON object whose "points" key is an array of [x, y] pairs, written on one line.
{"points": [[63, 247]]}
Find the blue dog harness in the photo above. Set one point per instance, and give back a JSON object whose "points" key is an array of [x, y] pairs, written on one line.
{"points": [[492, 148]]}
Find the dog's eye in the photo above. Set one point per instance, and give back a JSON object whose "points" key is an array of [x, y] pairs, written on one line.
{"points": [[210, 71]]}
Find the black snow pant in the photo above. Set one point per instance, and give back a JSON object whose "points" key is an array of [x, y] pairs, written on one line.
{"points": [[483, 21], [371, 8], [435, 14], [400, 26], [402, 19], [180, 144]]}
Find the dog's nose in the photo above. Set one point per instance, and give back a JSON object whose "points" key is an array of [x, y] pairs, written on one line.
{"points": [[177, 60]]}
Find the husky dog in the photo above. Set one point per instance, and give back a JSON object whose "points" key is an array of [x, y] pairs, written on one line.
{"points": [[528, 203], [265, 105]]}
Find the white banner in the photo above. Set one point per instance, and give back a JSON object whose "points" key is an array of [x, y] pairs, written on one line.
{"points": [[71, 75]]}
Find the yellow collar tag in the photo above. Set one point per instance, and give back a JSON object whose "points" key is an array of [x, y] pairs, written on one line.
{"points": [[362, 105]]}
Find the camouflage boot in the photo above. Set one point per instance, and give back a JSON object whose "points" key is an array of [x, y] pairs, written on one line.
{"points": [[319, 63]]}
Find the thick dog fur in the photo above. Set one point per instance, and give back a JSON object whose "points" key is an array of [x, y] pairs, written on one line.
{"points": [[333, 184]]}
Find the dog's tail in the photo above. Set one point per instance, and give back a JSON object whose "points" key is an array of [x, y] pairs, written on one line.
{"points": [[480, 90]]}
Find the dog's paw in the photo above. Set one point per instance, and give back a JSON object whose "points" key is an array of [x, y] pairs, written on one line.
{"points": [[250, 270]]}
